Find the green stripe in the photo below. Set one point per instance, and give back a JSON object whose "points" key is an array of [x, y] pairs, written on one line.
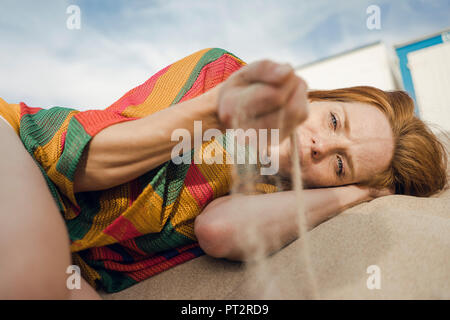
{"points": [[114, 281], [53, 190], [76, 141], [175, 181], [208, 57], [158, 182], [147, 178], [39, 128], [110, 281], [169, 180], [167, 238], [89, 203]]}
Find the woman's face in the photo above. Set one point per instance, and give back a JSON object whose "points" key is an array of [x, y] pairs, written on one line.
{"points": [[340, 143]]}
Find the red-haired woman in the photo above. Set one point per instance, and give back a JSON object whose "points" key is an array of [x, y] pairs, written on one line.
{"points": [[355, 144]]}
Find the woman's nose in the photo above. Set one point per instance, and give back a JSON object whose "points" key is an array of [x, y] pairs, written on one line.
{"points": [[321, 147]]}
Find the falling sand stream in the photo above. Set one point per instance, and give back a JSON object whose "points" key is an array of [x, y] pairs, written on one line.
{"points": [[261, 283]]}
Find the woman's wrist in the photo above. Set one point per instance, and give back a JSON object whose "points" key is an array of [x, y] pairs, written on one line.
{"points": [[107, 164], [353, 195], [209, 108]]}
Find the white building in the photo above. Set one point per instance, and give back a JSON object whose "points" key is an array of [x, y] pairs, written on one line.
{"points": [[371, 65], [425, 68], [421, 67]]}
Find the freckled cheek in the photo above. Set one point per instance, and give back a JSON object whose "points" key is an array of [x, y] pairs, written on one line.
{"points": [[315, 176]]}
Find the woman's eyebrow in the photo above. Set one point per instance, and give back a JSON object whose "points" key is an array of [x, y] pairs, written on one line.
{"points": [[348, 131]]}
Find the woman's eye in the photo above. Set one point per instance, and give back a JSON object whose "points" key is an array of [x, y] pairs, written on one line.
{"points": [[340, 166], [333, 120]]}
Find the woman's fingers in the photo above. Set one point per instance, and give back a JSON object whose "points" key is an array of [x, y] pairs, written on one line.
{"points": [[255, 100], [296, 110], [293, 111], [265, 71], [264, 95], [260, 98]]}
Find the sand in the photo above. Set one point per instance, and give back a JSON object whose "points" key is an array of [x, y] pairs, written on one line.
{"points": [[407, 238]]}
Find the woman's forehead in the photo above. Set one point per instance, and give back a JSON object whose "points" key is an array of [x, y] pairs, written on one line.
{"points": [[366, 120], [369, 132], [371, 136]]}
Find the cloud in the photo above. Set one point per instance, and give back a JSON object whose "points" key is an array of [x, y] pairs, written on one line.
{"points": [[121, 43]]}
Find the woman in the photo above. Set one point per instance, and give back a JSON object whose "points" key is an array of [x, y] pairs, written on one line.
{"points": [[124, 202]]}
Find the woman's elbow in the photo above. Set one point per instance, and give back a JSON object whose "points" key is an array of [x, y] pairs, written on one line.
{"points": [[214, 237]]}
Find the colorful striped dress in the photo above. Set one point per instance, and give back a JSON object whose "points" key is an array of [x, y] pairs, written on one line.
{"points": [[133, 231]]}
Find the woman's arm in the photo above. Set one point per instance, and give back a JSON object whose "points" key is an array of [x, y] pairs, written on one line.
{"points": [[125, 151], [222, 227]]}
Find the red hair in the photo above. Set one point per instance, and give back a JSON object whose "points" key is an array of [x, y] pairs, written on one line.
{"points": [[419, 163]]}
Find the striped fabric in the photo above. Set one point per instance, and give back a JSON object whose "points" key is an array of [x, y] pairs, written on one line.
{"points": [[128, 233]]}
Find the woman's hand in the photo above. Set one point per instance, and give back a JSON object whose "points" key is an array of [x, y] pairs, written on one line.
{"points": [[373, 193], [376, 193], [259, 94]]}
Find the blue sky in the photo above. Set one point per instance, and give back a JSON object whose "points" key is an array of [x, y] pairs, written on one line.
{"points": [[122, 43]]}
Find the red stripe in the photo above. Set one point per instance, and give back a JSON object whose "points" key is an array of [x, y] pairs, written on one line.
{"points": [[134, 266], [63, 140], [163, 266], [137, 95], [103, 253], [150, 263], [134, 250], [24, 109], [93, 121], [212, 74], [198, 186], [122, 229]]}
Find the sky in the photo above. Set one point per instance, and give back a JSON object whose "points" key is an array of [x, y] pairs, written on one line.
{"points": [[120, 44]]}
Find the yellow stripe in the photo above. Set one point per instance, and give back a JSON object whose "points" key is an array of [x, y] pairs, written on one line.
{"points": [[11, 113], [86, 271], [112, 203], [166, 87], [187, 210], [187, 229], [147, 213], [48, 156], [218, 175]]}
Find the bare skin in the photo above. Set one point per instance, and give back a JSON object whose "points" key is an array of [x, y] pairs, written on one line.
{"points": [[41, 238], [274, 217], [115, 155], [326, 145], [367, 139], [35, 247]]}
